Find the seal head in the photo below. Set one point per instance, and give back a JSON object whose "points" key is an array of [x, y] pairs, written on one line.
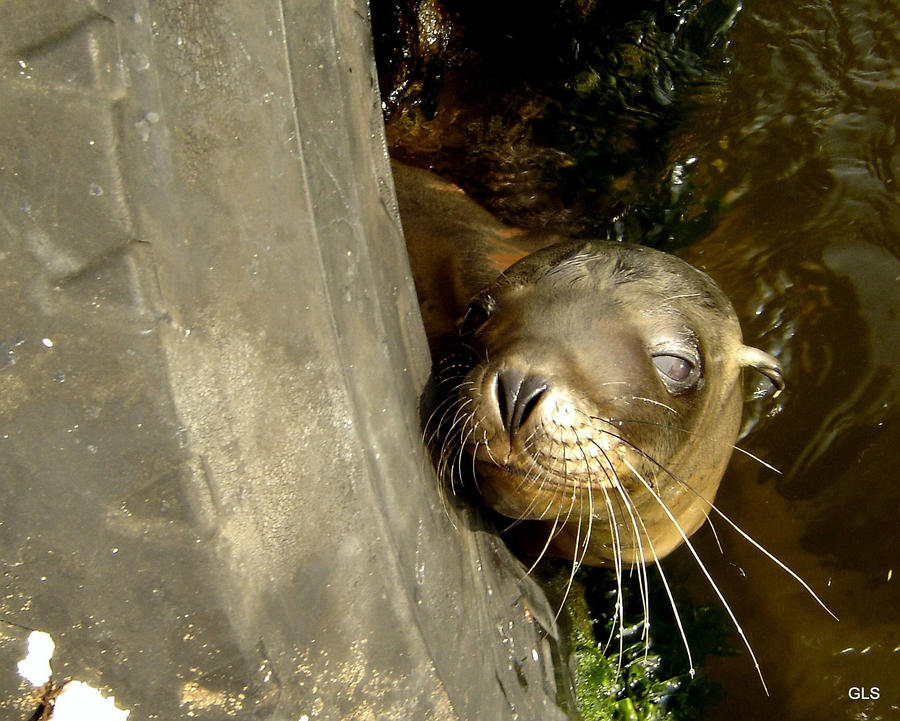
{"points": [[600, 397]]}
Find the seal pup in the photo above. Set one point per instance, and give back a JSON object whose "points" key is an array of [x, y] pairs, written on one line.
{"points": [[589, 390], [597, 385]]}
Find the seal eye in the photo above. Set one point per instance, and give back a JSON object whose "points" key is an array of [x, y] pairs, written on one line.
{"points": [[477, 314], [679, 374]]}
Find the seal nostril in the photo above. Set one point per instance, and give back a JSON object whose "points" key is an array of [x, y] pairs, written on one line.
{"points": [[517, 397], [530, 393], [507, 386]]}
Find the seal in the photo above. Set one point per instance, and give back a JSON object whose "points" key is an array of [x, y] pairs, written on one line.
{"points": [[592, 388]]}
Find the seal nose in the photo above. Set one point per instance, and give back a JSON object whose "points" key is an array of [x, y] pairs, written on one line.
{"points": [[517, 397]]}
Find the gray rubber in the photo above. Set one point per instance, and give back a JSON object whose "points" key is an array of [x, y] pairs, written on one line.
{"points": [[214, 495]]}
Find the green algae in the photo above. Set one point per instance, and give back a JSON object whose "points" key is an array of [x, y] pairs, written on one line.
{"points": [[621, 674]]}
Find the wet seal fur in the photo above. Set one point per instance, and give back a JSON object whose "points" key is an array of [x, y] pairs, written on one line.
{"points": [[594, 387]]}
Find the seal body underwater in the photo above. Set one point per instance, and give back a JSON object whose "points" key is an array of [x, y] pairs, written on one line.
{"points": [[593, 387]]}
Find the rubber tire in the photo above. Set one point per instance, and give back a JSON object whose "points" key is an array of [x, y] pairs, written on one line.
{"points": [[214, 495]]}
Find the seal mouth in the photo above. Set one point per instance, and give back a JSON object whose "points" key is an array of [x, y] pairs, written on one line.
{"points": [[554, 472], [565, 457], [533, 492], [549, 479]]}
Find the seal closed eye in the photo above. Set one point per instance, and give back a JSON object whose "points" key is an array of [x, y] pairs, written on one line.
{"points": [[594, 387]]}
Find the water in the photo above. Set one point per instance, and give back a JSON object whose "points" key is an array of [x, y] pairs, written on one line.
{"points": [[802, 159]]}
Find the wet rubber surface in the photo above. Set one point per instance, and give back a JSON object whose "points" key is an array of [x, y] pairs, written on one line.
{"points": [[214, 496]]}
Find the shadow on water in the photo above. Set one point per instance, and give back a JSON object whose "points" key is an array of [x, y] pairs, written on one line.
{"points": [[779, 163]]}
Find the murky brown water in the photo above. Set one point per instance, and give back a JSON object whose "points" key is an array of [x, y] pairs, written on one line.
{"points": [[804, 156], [796, 159]]}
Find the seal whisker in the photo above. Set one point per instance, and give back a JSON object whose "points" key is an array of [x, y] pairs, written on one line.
{"points": [[451, 373], [472, 432], [619, 612], [628, 503], [576, 562], [643, 581], [756, 458], [450, 441], [666, 301], [531, 476], [705, 572], [729, 521], [643, 587], [546, 547], [622, 494], [669, 595], [550, 536], [452, 459], [712, 527], [653, 402], [438, 417], [541, 484], [695, 434], [772, 557], [446, 407], [448, 427], [561, 491], [590, 514]]}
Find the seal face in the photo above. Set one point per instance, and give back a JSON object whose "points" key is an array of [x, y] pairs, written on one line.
{"points": [[603, 397], [594, 389]]}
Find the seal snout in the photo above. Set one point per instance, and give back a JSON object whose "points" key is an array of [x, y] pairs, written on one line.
{"points": [[517, 395]]}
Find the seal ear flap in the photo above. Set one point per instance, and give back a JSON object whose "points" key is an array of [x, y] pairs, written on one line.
{"points": [[766, 364]]}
